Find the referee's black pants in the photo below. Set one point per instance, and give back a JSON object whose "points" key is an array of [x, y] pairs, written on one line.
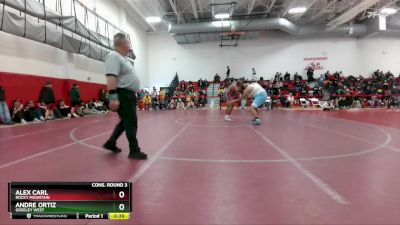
{"points": [[128, 123]]}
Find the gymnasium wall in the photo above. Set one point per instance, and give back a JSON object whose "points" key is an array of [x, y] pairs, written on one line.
{"points": [[28, 87], [20, 57], [272, 52]]}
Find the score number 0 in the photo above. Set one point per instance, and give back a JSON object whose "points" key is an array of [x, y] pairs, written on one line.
{"points": [[121, 194]]}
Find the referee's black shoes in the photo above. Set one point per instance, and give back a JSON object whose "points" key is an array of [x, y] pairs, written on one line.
{"points": [[112, 148], [138, 155]]}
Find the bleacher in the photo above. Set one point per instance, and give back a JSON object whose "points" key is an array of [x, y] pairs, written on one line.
{"points": [[308, 93]]}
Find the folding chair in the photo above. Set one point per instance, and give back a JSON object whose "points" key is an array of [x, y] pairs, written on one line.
{"points": [[268, 103], [304, 103], [315, 103]]}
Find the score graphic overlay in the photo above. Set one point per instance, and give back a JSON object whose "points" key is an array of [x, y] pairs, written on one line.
{"points": [[70, 200]]}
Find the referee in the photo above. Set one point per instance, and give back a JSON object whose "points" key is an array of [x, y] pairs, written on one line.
{"points": [[123, 84]]}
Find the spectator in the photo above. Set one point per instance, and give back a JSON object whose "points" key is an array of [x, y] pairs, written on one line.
{"points": [[286, 77], [141, 94], [75, 98], [327, 75], [228, 72], [18, 114], [203, 100], [345, 102], [43, 108], [297, 78], [393, 102], [283, 100], [289, 100], [310, 74], [279, 84], [33, 112], [147, 102], [356, 104], [90, 104], [5, 116], [217, 78], [190, 103], [277, 76], [104, 97], [180, 105], [183, 86], [156, 104], [268, 103], [196, 99], [206, 84], [64, 109], [47, 96], [154, 96], [321, 81], [162, 99], [85, 110], [221, 91], [99, 105], [200, 83], [172, 104], [253, 72], [191, 87], [328, 105]]}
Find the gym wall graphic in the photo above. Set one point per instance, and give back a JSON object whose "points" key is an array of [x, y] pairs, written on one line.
{"points": [[317, 63]]}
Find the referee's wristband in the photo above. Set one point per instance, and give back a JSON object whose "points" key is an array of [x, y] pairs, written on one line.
{"points": [[113, 97]]}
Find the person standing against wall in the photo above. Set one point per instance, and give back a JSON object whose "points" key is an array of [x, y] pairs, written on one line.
{"points": [[162, 96], [4, 111], [47, 96], [123, 83], [154, 97], [75, 95], [228, 72], [253, 74]]}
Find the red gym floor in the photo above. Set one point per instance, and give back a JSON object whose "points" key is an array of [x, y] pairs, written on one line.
{"points": [[296, 168]]}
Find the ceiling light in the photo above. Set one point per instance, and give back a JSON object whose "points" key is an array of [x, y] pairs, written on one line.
{"points": [[388, 11], [221, 23], [153, 19], [222, 16], [297, 10]]}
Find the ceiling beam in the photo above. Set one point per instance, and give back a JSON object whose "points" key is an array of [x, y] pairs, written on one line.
{"points": [[251, 6], [308, 8], [177, 14], [351, 13], [194, 8], [212, 8], [322, 11], [265, 4], [379, 7], [391, 3], [139, 12], [318, 7], [236, 6], [345, 5], [287, 7], [270, 6], [200, 7], [159, 11]]}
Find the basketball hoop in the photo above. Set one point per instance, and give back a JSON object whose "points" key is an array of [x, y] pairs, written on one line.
{"points": [[231, 37], [233, 34]]}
